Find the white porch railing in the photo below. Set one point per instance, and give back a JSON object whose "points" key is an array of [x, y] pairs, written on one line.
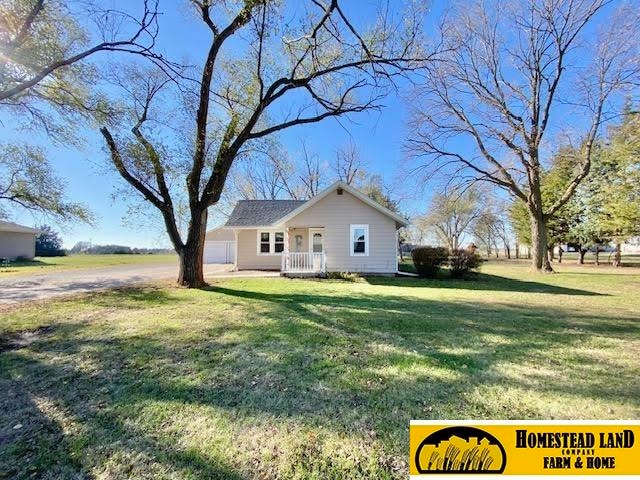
{"points": [[303, 262]]}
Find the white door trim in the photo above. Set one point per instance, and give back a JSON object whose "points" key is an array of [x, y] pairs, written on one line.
{"points": [[311, 232]]}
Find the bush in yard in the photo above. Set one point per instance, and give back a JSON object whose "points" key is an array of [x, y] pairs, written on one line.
{"points": [[346, 276], [49, 243], [428, 260], [462, 262]]}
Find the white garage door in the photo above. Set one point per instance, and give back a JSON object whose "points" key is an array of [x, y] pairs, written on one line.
{"points": [[219, 252]]}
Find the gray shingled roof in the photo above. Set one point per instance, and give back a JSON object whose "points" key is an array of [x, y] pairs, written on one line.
{"points": [[260, 213]]}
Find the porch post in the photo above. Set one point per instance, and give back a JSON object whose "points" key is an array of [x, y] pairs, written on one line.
{"points": [[285, 254]]}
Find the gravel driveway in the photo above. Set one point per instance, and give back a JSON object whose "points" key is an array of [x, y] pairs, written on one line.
{"points": [[46, 285]]}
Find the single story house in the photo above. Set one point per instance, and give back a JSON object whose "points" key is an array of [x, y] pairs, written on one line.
{"points": [[17, 241], [631, 246], [339, 230]]}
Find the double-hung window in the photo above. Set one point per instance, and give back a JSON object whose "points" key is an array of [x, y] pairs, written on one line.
{"points": [[359, 240], [265, 242], [270, 243], [278, 242]]}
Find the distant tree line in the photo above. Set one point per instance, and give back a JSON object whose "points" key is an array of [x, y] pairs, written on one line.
{"points": [[49, 244], [461, 217], [87, 248]]}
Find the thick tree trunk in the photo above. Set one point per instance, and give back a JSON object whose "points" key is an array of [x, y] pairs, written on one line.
{"points": [[191, 272], [560, 252], [539, 251], [617, 257], [597, 255], [507, 251], [552, 253], [581, 253], [517, 250]]}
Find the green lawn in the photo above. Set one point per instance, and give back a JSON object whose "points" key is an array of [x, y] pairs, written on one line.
{"points": [[53, 264], [277, 378]]}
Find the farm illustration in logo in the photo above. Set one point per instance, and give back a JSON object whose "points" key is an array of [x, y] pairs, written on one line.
{"points": [[460, 450]]}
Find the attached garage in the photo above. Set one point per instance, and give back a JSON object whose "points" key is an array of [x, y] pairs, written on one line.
{"points": [[219, 246], [17, 241]]}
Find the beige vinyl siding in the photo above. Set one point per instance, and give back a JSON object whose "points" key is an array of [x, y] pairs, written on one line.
{"points": [[220, 234], [14, 245], [248, 258], [304, 233], [336, 213]]}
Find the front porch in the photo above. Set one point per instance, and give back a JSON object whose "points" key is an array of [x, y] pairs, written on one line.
{"points": [[303, 262], [303, 251]]}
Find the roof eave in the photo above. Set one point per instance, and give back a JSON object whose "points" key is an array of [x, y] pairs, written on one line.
{"points": [[21, 229], [251, 227]]}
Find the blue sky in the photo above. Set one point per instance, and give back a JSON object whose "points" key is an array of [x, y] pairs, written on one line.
{"points": [[378, 135]]}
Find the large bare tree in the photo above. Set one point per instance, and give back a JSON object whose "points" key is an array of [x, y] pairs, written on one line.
{"points": [[269, 66], [269, 173], [512, 76], [348, 164], [452, 214]]}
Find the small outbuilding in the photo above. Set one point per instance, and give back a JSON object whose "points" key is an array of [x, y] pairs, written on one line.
{"points": [[17, 241]]}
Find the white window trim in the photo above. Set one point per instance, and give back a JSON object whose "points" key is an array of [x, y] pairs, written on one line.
{"points": [[352, 228], [272, 242]]}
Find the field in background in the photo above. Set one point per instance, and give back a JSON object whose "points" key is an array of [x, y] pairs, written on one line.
{"points": [[278, 378], [53, 264]]}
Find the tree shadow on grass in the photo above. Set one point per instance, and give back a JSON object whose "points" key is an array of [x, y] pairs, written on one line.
{"points": [[481, 281], [15, 265], [94, 406], [28, 263], [21, 421], [136, 297], [349, 364]]}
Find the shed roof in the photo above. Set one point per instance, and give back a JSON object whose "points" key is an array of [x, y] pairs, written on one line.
{"points": [[15, 228]]}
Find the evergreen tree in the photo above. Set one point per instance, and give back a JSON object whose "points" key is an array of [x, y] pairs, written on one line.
{"points": [[49, 243]]}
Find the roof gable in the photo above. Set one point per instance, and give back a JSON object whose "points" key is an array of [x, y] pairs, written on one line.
{"points": [[219, 234], [400, 221], [271, 213]]}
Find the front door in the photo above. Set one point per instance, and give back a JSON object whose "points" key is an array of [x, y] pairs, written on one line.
{"points": [[317, 241], [316, 245]]}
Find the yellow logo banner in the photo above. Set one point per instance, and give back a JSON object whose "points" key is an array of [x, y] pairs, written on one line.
{"points": [[462, 449]]}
